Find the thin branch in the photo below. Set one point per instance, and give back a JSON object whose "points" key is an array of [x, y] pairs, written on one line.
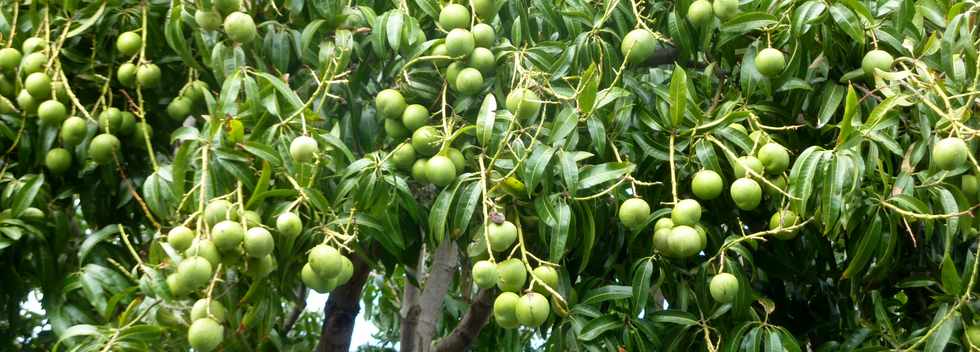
{"points": [[469, 326], [298, 308]]}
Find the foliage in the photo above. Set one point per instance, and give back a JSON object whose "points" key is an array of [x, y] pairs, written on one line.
{"points": [[872, 247]]}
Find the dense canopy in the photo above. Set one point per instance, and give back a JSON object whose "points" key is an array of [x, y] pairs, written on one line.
{"points": [[489, 175]]}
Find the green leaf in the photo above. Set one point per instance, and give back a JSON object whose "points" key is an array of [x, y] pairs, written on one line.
{"points": [[178, 169], [261, 186], [93, 239], [802, 178], [832, 191], [598, 326], [829, 101], [949, 206], [158, 193], [307, 38], [747, 21], [393, 27], [439, 213], [847, 22], [674, 316], [587, 230], [559, 233], [466, 206], [859, 8], [851, 109], [952, 283], [705, 152], [772, 341], [430, 7], [751, 80], [734, 338], [569, 171], [228, 101], [806, 15], [87, 23], [609, 95], [588, 86], [865, 249], [338, 144], [938, 341], [485, 119], [594, 175], [565, 124], [909, 203], [881, 314], [263, 151], [678, 97], [76, 331], [174, 35], [315, 197], [607, 293], [881, 110], [25, 196], [597, 131], [642, 274], [537, 164], [737, 138], [295, 103]]}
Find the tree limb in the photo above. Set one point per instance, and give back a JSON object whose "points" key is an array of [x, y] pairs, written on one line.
{"points": [[665, 55], [298, 308], [436, 286], [469, 327], [341, 309], [409, 314]]}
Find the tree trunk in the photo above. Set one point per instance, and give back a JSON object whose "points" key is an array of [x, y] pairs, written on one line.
{"points": [[410, 317], [436, 286], [469, 327], [341, 309]]}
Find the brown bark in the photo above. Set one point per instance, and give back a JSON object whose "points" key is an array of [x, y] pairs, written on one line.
{"points": [[341, 309], [410, 317], [469, 327], [409, 311], [436, 286]]}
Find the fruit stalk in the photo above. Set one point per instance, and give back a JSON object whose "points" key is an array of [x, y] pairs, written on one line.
{"points": [[673, 174], [915, 215], [607, 190], [13, 29], [761, 235], [73, 98], [517, 165], [129, 246], [486, 212], [562, 305], [321, 83], [747, 168], [214, 279], [201, 202], [420, 59], [53, 54]]}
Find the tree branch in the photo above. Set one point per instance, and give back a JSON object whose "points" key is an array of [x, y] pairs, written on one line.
{"points": [[409, 314], [665, 55], [469, 327], [341, 309], [436, 285], [287, 325]]}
